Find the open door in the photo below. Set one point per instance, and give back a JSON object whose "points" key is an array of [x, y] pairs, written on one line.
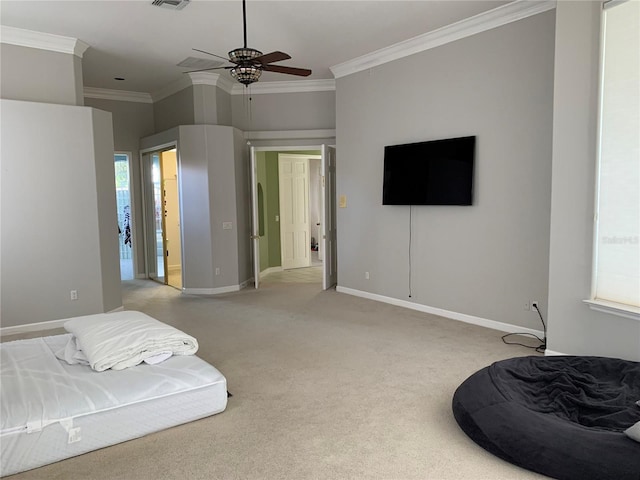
{"points": [[255, 219], [329, 237]]}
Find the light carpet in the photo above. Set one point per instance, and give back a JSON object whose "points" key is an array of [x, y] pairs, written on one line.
{"points": [[325, 386]]}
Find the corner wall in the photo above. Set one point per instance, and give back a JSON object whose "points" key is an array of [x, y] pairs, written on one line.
{"points": [[486, 260], [131, 121], [573, 328], [58, 221]]}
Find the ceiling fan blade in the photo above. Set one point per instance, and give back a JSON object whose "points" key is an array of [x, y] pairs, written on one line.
{"points": [[301, 72], [272, 57], [207, 69], [213, 54]]}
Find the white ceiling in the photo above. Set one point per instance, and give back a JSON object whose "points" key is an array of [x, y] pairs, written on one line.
{"points": [[143, 43]]}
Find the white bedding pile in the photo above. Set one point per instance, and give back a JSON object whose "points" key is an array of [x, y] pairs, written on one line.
{"points": [[123, 339]]}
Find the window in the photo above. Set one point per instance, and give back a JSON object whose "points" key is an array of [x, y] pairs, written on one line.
{"points": [[616, 278]]}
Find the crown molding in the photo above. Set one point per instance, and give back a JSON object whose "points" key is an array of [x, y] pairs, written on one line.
{"points": [[482, 22], [213, 79], [295, 86], [174, 87], [288, 134], [119, 95], [42, 41]]}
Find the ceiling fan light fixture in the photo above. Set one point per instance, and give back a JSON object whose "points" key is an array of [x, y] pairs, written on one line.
{"points": [[246, 74], [244, 54]]}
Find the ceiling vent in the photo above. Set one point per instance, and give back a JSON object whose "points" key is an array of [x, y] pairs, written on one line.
{"points": [[172, 4]]}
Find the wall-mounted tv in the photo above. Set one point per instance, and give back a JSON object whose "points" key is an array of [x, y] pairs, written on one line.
{"points": [[438, 172]]}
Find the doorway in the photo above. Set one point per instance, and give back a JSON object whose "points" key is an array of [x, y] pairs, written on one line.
{"points": [[289, 212], [125, 220], [163, 233]]}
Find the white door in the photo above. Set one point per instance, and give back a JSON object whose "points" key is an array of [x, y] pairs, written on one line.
{"points": [[255, 222], [295, 238], [329, 236]]}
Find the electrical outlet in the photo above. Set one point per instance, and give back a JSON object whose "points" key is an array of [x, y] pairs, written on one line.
{"points": [[366, 275], [73, 294], [535, 305], [526, 306]]}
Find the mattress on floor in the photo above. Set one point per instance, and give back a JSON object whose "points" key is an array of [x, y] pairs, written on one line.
{"points": [[50, 410]]}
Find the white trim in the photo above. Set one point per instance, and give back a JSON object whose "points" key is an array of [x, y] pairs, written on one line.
{"points": [[212, 79], [462, 317], [269, 270], [214, 291], [553, 353], [613, 308], [173, 87], [32, 327], [118, 95], [42, 326], [497, 17], [289, 134], [190, 79], [293, 86], [42, 41]]}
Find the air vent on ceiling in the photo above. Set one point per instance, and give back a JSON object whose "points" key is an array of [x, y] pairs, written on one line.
{"points": [[199, 63], [173, 4]]}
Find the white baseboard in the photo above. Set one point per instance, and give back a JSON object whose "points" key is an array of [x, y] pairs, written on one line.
{"points": [[214, 291], [49, 325], [266, 271], [552, 353], [462, 317], [32, 327]]}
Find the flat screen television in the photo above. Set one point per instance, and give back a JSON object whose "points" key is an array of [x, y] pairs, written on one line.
{"points": [[438, 172]]}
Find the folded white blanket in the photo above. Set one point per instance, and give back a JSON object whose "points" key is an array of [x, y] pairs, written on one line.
{"points": [[123, 339]]}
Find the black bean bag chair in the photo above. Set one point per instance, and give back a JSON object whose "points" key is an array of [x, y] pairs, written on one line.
{"points": [[560, 416]]}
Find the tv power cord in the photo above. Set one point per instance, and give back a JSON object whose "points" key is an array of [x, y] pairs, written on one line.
{"points": [[543, 341]]}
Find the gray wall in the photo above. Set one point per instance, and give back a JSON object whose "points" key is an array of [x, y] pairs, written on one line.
{"points": [[204, 105], [193, 163], [223, 105], [59, 224], [243, 205], [131, 121], [220, 149], [284, 111], [176, 109], [214, 188], [40, 75], [573, 327], [486, 260]]}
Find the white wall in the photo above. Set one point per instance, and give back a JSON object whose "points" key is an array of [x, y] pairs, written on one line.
{"points": [[573, 327], [58, 222], [486, 260]]}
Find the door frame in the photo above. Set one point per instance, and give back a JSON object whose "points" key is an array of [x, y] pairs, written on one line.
{"points": [[148, 196], [255, 237]]}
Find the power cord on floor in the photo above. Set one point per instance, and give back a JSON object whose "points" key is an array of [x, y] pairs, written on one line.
{"points": [[543, 341]]}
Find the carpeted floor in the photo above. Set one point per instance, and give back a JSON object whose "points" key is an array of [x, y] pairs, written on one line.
{"points": [[325, 386]]}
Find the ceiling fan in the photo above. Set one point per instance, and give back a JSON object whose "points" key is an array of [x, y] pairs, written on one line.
{"points": [[249, 63]]}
